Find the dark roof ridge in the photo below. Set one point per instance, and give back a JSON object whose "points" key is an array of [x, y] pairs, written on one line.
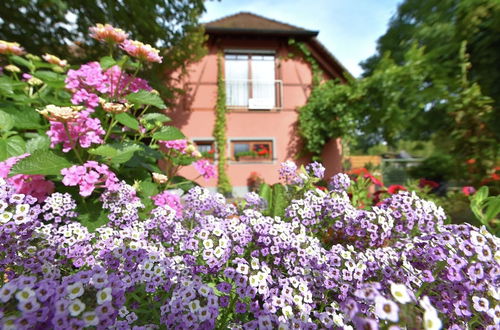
{"points": [[290, 26]]}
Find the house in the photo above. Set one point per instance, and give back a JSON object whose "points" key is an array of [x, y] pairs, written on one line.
{"points": [[265, 87]]}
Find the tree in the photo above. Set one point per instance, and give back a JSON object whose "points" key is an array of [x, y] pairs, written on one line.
{"points": [[51, 26], [441, 26]]}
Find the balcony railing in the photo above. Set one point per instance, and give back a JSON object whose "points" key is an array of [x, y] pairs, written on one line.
{"points": [[254, 94]]}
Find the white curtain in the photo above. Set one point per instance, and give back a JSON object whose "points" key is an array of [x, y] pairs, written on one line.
{"points": [[263, 85], [237, 80]]}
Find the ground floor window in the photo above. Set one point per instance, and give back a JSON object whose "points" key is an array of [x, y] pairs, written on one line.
{"points": [[254, 150], [206, 148]]}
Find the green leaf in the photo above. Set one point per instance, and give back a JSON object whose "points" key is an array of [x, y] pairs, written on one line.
{"points": [[481, 194], [41, 162], [492, 208], [6, 85], [266, 193], [23, 62], [40, 142], [183, 183], [25, 117], [3, 150], [107, 62], [279, 200], [51, 78], [148, 98], [15, 146], [127, 120], [148, 188], [156, 117], [116, 153], [6, 121], [91, 214], [168, 133]]}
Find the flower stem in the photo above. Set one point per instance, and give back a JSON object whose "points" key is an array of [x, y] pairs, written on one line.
{"points": [[72, 143]]}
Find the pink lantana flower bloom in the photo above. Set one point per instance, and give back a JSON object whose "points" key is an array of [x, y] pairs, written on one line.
{"points": [[34, 185], [90, 176], [142, 51], [205, 168]]}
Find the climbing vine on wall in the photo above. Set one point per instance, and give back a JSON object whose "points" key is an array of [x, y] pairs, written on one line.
{"points": [[306, 54], [223, 183]]}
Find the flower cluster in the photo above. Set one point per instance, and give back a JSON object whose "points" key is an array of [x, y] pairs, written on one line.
{"points": [[52, 59], [107, 33], [84, 130], [90, 81], [205, 168], [90, 176], [11, 48], [34, 185], [170, 199], [141, 51], [201, 262]]}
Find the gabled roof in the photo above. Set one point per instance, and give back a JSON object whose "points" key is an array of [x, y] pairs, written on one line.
{"points": [[249, 23], [245, 23]]}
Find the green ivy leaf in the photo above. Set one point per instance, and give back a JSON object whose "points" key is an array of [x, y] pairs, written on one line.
{"points": [[107, 62], [127, 120], [148, 98], [41, 162], [168, 133]]}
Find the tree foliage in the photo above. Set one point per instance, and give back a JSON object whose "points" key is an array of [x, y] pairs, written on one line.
{"points": [[434, 78], [375, 106], [441, 26], [50, 26]]}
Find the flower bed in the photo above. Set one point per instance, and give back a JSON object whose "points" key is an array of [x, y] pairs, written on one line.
{"points": [[88, 240]]}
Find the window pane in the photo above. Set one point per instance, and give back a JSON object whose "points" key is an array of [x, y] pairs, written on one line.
{"points": [[237, 81], [263, 85], [241, 147]]}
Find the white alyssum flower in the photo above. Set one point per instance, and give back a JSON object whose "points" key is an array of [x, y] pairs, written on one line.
{"points": [[90, 319], [76, 307], [104, 295], [75, 290], [400, 293], [25, 294]]}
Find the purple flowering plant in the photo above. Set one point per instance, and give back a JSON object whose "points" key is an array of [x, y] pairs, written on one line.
{"points": [[106, 247]]}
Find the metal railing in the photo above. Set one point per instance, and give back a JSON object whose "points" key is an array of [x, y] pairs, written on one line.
{"points": [[254, 94]]}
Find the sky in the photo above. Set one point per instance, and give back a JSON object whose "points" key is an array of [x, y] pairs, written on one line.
{"points": [[349, 29]]}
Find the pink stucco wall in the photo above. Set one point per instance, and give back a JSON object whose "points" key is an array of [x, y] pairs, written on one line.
{"points": [[194, 113]]}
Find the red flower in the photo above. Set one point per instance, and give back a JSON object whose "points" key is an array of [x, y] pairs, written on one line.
{"points": [[428, 183], [471, 161], [468, 190], [373, 179], [395, 188]]}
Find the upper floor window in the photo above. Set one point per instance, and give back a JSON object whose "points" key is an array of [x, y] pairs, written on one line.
{"points": [[251, 81]]}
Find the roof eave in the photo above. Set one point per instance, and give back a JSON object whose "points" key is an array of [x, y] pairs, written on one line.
{"points": [[240, 31]]}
